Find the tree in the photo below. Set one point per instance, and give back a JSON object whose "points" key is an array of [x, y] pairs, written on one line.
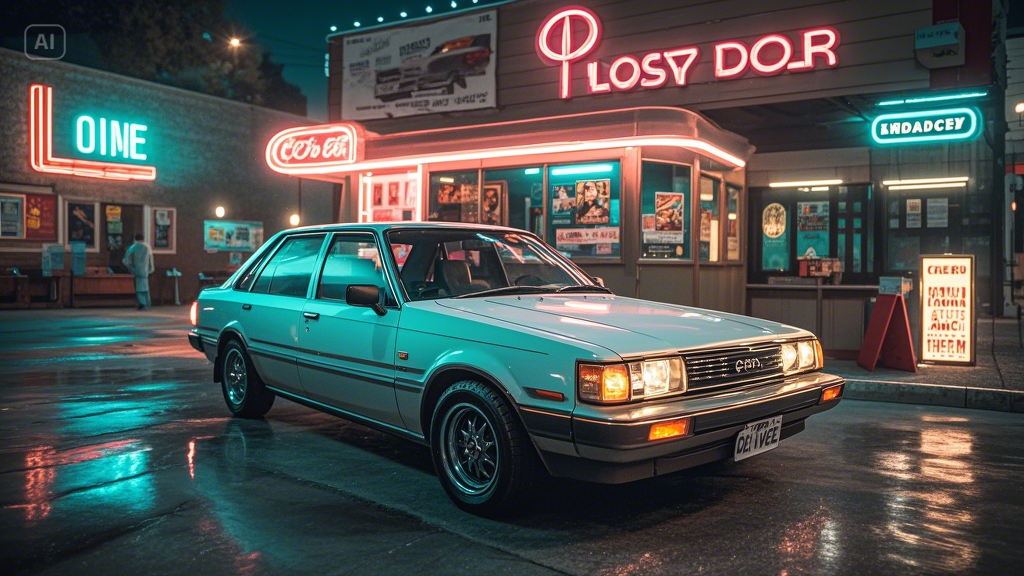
{"points": [[183, 43]]}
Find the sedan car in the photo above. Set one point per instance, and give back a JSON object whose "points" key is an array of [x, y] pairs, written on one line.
{"points": [[502, 356]]}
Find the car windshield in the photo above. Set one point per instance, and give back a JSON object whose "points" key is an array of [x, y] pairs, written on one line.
{"points": [[463, 262]]}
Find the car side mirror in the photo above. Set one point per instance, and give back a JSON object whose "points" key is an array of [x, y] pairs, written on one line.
{"points": [[599, 280], [365, 295]]}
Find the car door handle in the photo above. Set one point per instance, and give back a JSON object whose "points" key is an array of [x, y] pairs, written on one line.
{"points": [[246, 306], [311, 315]]}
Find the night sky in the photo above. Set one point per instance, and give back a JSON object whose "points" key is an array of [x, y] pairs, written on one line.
{"points": [[295, 33]]}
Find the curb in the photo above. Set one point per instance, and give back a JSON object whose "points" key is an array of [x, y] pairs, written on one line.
{"points": [[935, 395]]}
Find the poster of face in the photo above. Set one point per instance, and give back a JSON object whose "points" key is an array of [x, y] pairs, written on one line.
{"points": [[378, 194], [393, 195], [492, 210], [593, 199], [563, 204], [82, 223]]}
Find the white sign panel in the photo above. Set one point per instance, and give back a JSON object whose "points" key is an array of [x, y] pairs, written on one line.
{"points": [[438, 67], [947, 309]]}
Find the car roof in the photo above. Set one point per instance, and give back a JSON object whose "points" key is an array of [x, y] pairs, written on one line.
{"points": [[385, 226]]}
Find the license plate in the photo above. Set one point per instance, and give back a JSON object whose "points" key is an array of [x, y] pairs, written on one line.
{"points": [[758, 437]]}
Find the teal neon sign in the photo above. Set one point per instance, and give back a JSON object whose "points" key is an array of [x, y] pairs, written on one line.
{"points": [[111, 138], [946, 125]]}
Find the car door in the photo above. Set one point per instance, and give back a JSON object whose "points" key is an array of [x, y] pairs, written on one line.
{"points": [[347, 353], [271, 312]]}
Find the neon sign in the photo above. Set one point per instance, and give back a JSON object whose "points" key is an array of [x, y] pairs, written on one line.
{"points": [[122, 138], [41, 158], [313, 149], [926, 126], [772, 54]]}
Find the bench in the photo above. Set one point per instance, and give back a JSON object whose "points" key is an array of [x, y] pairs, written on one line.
{"points": [[13, 289], [101, 287]]}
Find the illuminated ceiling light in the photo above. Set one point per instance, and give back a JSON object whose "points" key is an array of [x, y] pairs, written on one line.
{"points": [[707, 197], [294, 220], [403, 13], [587, 169], [235, 42], [334, 28], [819, 188], [926, 99], [429, 9], [454, 4], [732, 216], [219, 211], [356, 24], [380, 18], [531, 171], [835, 182], [447, 179], [926, 186], [943, 180]]}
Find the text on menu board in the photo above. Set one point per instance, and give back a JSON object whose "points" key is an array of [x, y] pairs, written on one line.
{"points": [[947, 311]]}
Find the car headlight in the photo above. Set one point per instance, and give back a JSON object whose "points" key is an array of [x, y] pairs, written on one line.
{"points": [[801, 356], [612, 383]]}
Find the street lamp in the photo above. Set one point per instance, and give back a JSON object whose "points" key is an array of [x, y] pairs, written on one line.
{"points": [[235, 42], [1019, 109], [294, 220], [219, 211]]}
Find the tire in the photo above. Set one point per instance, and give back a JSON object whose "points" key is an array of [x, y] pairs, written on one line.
{"points": [[244, 391], [482, 455]]}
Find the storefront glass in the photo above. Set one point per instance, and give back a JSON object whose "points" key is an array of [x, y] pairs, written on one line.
{"points": [[665, 211], [391, 197], [710, 219], [455, 196], [583, 219], [514, 197], [732, 229]]}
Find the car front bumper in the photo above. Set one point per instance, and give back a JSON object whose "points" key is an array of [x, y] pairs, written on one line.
{"points": [[609, 444]]}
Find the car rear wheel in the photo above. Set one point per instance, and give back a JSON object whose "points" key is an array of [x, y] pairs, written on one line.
{"points": [[244, 391], [481, 453]]}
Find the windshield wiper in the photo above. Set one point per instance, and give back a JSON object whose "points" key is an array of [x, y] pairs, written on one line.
{"points": [[584, 288], [505, 290]]}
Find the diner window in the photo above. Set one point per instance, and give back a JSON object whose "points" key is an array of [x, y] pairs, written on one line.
{"points": [[391, 198], [710, 219], [455, 196], [514, 197], [583, 220], [732, 229], [664, 211]]}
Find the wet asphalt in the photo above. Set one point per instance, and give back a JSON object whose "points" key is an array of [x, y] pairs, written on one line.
{"points": [[117, 456]]}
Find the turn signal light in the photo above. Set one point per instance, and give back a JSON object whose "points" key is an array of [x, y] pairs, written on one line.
{"points": [[193, 313], [831, 393], [670, 429]]}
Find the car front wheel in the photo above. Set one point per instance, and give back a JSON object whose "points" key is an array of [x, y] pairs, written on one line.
{"points": [[481, 453], [244, 391]]}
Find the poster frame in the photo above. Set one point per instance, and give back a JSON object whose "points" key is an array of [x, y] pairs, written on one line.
{"points": [[972, 307]]}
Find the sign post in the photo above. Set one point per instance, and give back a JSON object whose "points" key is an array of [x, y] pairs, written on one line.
{"points": [[948, 314]]}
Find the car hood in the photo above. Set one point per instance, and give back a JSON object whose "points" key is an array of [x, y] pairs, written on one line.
{"points": [[626, 326]]}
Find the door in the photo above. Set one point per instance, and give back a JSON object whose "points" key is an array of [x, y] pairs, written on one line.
{"points": [[346, 353], [271, 314]]}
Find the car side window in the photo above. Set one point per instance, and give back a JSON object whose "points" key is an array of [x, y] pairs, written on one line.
{"points": [[351, 259], [289, 270]]}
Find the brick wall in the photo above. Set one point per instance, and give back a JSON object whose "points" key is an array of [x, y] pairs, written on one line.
{"points": [[208, 152]]}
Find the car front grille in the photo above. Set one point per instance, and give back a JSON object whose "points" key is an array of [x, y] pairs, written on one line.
{"points": [[716, 370]]}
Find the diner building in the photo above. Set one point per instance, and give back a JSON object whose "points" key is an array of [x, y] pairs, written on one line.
{"points": [[91, 158], [769, 158]]}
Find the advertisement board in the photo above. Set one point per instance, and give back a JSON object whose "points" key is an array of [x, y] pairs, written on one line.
{"points": [[232, 235], [442, 66], [947, 309]]}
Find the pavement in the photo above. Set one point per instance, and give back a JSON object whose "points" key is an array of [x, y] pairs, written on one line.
{"points": [[996, 382]]}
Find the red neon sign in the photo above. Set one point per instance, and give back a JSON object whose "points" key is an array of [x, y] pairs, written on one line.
{"points": [[558, 43], [312, 149], [40, 121]]}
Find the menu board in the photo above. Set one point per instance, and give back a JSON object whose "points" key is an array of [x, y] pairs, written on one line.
{"points": [[947, 309]]}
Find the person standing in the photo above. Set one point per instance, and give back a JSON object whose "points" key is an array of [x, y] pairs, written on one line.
{"points": [[139, 260]]}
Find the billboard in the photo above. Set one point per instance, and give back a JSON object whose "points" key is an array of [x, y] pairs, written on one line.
{"points": [[442, 66]]}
